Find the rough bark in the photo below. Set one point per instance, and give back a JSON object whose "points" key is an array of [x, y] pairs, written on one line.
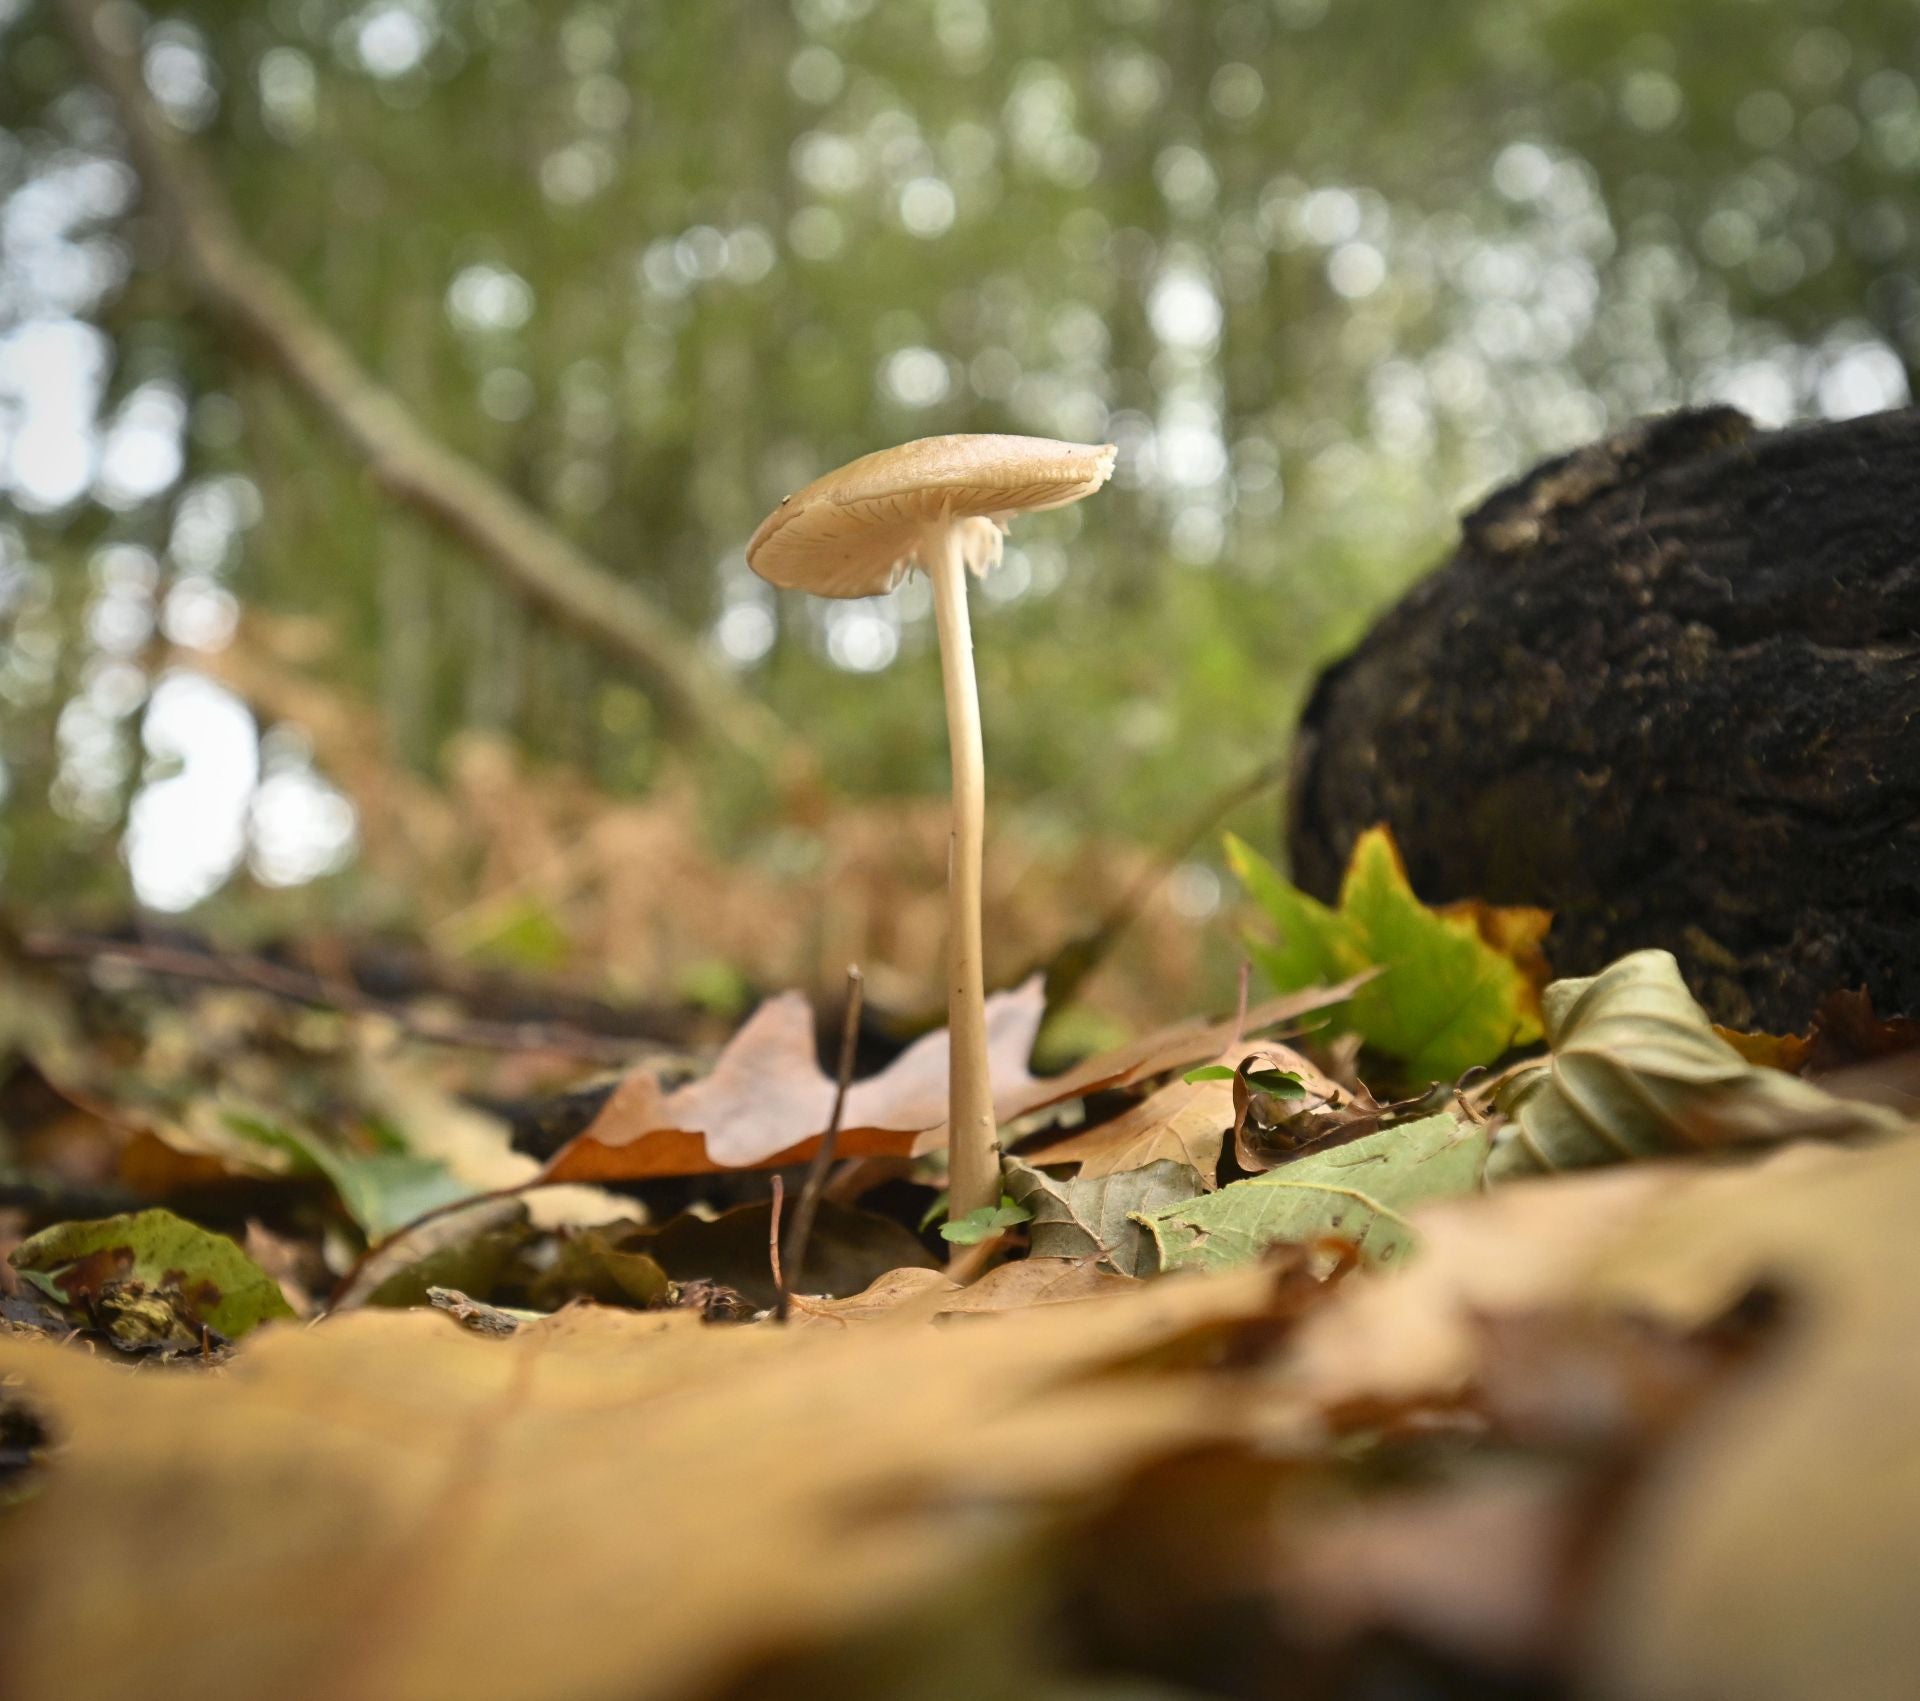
{"points": [[1669, 687]]}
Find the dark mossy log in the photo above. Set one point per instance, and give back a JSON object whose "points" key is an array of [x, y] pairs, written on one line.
{"points": [[1668, 687]]}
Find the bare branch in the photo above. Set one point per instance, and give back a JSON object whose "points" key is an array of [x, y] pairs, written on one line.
{"points": [[234, 286]]}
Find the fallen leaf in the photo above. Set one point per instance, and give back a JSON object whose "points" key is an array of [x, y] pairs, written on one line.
{"points": [[1031, 1281], [1358, 1192], [521, 1265], [1311, 943], [218, 1284], [1190, 1041], [471, 1250], [1517, 932], [1847, 1031], [1392, 1564], [1769, 1555], [913, 1293], [1175, 1047], [603, 1503], [1310, 1108], [1522, 1247], [1456, 985], [1186, 1121], [766, 1102], [587, 1264], [382, 1191], [1634, 1069], [1098, 1217], [361, 1497], [916, 1294], [1786, 1052]]}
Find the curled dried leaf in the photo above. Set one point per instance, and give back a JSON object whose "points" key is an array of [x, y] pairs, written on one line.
{"points": [[1636, 1070]]}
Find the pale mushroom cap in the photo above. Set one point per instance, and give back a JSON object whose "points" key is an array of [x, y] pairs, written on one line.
{"points": [[855, 531]]}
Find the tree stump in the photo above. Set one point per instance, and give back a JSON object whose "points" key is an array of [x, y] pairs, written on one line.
{"points": [[1669, 688]]}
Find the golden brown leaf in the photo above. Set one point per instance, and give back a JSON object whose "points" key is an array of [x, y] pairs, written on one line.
{"points": [[1786, 1052], [605, 1503], [1184, 1120], [911, 1295]]}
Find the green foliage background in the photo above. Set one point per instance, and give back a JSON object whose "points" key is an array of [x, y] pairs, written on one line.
{"points": [[1325, 269]]}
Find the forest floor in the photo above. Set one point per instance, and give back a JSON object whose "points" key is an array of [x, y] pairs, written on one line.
{"points": [[373, 1326]]}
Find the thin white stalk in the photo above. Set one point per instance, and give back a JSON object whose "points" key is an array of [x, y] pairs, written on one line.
{"points": [[972, 1146]]}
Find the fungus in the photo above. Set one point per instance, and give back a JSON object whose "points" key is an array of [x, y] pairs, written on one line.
{"points": [[941, 504]]}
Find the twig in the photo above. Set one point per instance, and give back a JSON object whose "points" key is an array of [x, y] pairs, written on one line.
{"points": [[333, 993], [773, 1247], [815, 1184], [345, 1284], [235, 286]]}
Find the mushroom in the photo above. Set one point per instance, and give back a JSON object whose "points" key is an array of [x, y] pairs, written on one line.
{"points": [[941, 504]]}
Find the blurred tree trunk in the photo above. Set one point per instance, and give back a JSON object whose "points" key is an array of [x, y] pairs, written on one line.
{"points": [[254, 303]]}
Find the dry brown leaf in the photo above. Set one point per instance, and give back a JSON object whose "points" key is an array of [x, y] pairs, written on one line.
{"points": [[1769, 1552], [1771, 1556], [1785, 1052], [910, 1295], [1186, 1121], [905, 1295], [383, 1505], [1179, 1046], [1522, 1247], [350, 1510], [1037, 1281], [1847, 1031], [1393, 1563], [766, 1102]]}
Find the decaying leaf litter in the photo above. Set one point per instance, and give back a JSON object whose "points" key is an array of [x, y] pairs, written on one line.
{"points": [[1645, 1281]]}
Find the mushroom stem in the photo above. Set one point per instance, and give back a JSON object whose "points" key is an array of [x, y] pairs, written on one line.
{"points": [[972, 1145]]}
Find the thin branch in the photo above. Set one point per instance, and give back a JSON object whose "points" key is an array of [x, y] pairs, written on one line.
{"points": [[344, 1286], [296, 986], [237, 288], [773, 1246], [809, 1201]]}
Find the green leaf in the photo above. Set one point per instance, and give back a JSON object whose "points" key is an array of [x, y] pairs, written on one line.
{"points": [[1208, 1072], [1314, 946], [1445, 999], [219, 1284], [523, 934], [382, 1191], [1100, 1215], [1358, 1191], [1635, 1070], [985, 1223]]}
